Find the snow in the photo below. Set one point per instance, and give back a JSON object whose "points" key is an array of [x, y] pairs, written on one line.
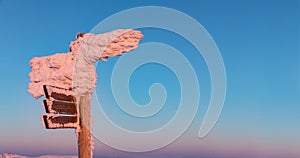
{"points": [[11, 155], [58, 69], [99, 47]]}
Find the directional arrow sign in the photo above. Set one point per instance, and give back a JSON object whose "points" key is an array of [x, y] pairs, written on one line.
{"points": [[59, 107], [58, 93], [53, 122]]}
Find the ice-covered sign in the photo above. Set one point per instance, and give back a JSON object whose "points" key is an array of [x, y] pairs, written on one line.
{"points": [[74, 70], [67, 80], [58, 103], [58, 93], [59, 107], [57, 121]]}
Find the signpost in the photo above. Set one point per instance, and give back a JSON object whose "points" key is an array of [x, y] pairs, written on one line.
{"points": [[67, 80]]}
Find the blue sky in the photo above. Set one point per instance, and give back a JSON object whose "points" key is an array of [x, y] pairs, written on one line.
{"points": [[258, 40]]}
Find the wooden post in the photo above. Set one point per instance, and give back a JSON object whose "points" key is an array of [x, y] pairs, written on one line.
{"points": [[84, 135]]}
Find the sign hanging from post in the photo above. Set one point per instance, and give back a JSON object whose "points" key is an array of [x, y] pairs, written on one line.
{"points": [[53, 122], [59, 107], [58, 93]]}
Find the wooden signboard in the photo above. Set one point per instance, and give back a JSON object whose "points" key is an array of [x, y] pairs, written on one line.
{"points": [[59, 107], [58, 93], [53, 122]]}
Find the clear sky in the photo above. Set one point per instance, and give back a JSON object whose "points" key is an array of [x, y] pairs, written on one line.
{"points": [[258, 40]]}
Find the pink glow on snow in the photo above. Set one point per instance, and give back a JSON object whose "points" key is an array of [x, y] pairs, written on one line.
{"points": [[58, 69]]}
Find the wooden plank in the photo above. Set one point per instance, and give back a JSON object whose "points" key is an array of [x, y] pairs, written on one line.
{"points": [[54, 122], [59, 107], [58, 93]]}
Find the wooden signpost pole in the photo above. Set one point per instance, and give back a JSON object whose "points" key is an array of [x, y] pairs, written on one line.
{"points": [[84, 135]]}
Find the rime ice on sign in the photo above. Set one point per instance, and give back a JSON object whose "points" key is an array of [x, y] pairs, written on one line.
{"points": [[58, 93], [57, 121], [58, 70], [59, 101], [67, 81], [99, 47], [59, 107]]}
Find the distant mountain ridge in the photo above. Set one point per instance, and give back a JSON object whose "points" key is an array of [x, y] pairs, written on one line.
{"points": [[12, 155]]}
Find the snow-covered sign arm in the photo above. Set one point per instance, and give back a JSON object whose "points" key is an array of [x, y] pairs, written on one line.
{"points": [[58, 70]]}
